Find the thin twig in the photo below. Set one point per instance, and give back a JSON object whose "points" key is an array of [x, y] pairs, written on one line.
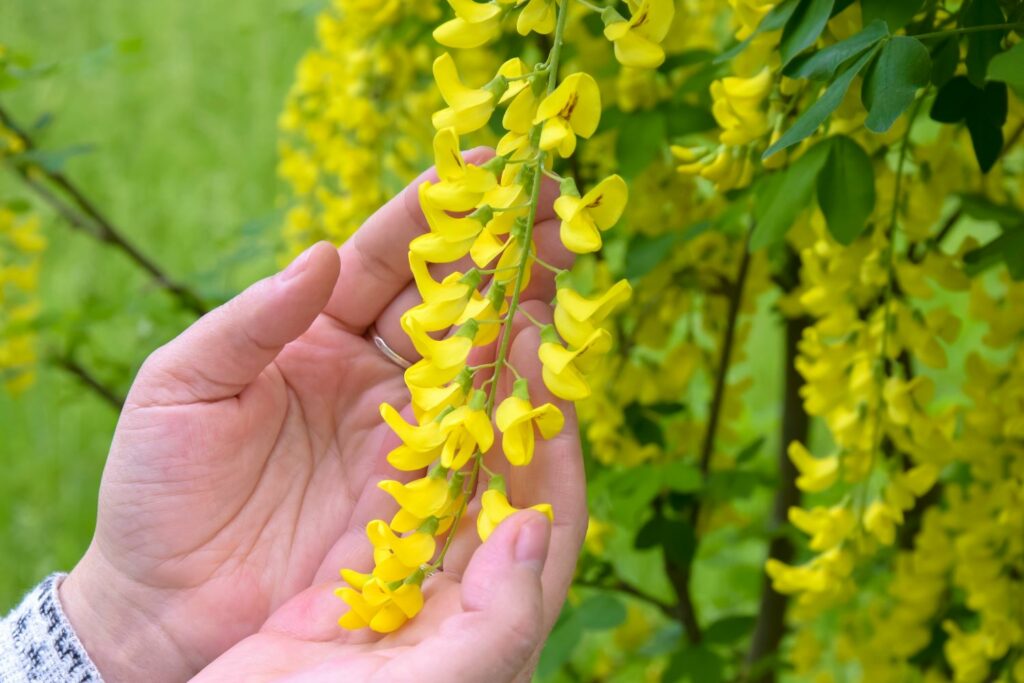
{"points": [[622, 587], [85, 376], [90, 219]]}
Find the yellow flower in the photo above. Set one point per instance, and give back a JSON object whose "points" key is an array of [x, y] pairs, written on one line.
{"points": [[494, 508], [828, 527], [574, 108], [424, 497], [474, 25], [442, 359], [468, 109], [577, 316], [443, 302], [420, 444], [373, 603], [450, 238], [516, 418], [583, 218], [462, 185], [638, 41], [429, 402], [816, 474], [467, 429], [738, 107], [538, 15], [395, 558], [881, 520], [559, 365]]}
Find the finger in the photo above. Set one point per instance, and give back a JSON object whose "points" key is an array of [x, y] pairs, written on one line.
{"points": [[555, 475], [374, 261], [226, 349], [502, 619]]}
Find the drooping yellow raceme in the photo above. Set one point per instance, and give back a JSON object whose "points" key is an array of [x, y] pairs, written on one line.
{"points": [[483, 213]]}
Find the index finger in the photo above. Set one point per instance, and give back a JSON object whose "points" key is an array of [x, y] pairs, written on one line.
{"points": [[375, 261]]}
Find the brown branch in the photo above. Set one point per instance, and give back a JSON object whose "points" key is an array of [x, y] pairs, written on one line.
{"points": [[89, 380], [620, 586], [680, 575], [771, 616], [88, 218]]}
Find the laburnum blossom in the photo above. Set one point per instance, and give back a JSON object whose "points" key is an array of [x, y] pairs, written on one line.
{"points": [[516, 419], [560, 367], [461, 185], [638, 40], [373, 603], [577, 316], [574, 108], [583, 218], [495, 508], [485, 213], [538, 16], [468, 109], [816, 474], [738, 107], [474, 24]]}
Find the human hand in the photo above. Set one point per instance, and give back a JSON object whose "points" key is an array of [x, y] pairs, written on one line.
{"points": [[485, 615], [244, 465]]}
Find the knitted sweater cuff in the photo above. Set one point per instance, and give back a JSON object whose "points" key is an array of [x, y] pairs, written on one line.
{"points": [[37, 643]]}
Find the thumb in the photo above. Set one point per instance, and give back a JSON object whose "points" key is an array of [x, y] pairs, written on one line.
{"points": [[502, 622], [228, 347]]}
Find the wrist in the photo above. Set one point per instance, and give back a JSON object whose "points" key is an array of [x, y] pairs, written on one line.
{"points": [[118, 622]]}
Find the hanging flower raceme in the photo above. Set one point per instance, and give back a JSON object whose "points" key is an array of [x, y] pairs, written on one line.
{"points": [[487, 212]]}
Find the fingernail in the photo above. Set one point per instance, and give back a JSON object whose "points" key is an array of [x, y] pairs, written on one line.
{"points": [[297, 266], [532, 543]]}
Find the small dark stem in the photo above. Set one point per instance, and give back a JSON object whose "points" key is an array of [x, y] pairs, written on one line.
{"points": [[90, 219], [85, 376], [622, 587]]}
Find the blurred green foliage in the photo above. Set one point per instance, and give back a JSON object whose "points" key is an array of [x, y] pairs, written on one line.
{"points": [[177, 103]]}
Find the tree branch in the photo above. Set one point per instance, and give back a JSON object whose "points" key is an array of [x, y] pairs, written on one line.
{"points": [[771, 616], [85, 376], [90, 219]]}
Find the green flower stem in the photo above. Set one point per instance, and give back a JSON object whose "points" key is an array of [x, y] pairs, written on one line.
{"points": [[501, 359], [969, 29]]}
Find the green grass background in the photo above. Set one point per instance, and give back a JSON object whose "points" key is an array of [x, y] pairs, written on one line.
{"points": [[179, 102]]}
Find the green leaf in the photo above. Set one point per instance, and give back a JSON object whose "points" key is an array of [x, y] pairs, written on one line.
{"points": [[773, 21], [980, 207], [822, 107], [645, 253], [846, 189], [804, 27], [728, 630], [641, 139], [784, 195], [1008, 248], [983, 45], [682, 477], [895, 13], [54, 160], [645, 429], [822, 65], [985, 118], [750, 450], [694, 664], [954, 100], [685, 58], [682, 118], [632, 490], [945, 58], [600, 612], [1008, 67], [560, 643], [903, 66]]}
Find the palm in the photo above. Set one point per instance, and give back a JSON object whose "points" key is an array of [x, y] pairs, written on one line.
{"points": [[280, 482]]}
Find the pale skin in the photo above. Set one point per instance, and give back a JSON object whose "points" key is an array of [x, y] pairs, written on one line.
{"points": [[243, 472]]}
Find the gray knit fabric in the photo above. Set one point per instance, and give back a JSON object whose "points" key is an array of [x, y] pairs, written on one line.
{"points": [[38, 644]]}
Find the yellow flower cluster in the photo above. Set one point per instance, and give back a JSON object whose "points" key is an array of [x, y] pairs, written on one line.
{"points": [[21, 248], [482, 218], [356, 122]]}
